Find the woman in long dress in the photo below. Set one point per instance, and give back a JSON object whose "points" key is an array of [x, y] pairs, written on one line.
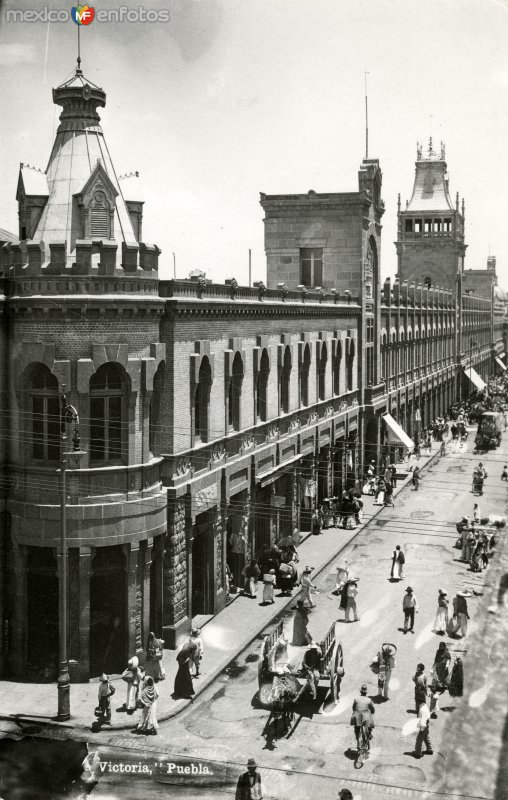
{"points": [[148, 723], [183, 681], [154, 653], [441, 621]]}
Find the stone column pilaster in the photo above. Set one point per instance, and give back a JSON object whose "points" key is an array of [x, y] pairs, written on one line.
{"points": [[146, 563], [17, 633], [177, 576], [134, 600]]}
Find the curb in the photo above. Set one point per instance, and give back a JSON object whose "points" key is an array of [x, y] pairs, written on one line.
{"points": [[224, 663]]}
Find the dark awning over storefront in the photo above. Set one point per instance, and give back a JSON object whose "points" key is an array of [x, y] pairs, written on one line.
{"points": [[265, 478]]}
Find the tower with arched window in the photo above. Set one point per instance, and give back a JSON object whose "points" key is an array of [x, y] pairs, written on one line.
{"points": [[84, 317]]}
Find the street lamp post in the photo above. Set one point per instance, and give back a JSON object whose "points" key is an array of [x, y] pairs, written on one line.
{"points": [[69, 416]]}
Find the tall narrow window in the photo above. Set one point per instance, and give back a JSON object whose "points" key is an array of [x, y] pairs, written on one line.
{"points": [[304, 377], [350, 365], [154, 426], [285, 381], [262, 387], [235, 393], [45, 414], [311, 266], [323, 361], [337, 361], [202, 401], [107, 410]]}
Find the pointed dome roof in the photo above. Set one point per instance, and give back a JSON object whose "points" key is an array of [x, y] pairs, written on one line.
{"points": [[79, 146], [430, 191]]}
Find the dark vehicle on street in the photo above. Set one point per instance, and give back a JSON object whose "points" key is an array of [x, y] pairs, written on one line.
{"points": [[488, 436]]}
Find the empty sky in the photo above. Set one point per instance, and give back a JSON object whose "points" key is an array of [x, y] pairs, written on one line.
{"points": [[233, 97]]}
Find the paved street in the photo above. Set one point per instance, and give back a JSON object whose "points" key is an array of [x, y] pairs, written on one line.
{"points": [[225, 725]]}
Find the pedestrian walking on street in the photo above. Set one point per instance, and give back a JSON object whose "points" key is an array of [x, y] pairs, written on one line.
{"points": [[195, 645], [415, 480], [154, 654], [316, 522], [504, 474], [307, 585], [345, 794], [249, 783], [460, 614], [148, 723], [132, 677], [477, 513], [441, 620], [268, 586], [351, 595], [398, 561], [456, 686], [106, 691], [385, 661], [410, 607], [301, 634], [389, 495], [251, 574], [393, 469], [423, 731], [420, 682], [342, 576], [440, 677]]}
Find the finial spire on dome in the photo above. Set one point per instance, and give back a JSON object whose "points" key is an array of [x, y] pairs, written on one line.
{"points": [[78, 68]]}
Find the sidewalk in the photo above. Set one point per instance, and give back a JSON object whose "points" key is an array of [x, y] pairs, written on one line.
{"points": [[224, 637]]}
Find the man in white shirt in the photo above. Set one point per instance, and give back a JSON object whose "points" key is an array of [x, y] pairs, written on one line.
{"points": [[422, 735], [352, 592], [410, 608]]}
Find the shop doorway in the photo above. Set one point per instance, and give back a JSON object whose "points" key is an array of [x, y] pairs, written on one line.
{"points": [[42, 615], [202, 565], [108, 612], [237, 533]]}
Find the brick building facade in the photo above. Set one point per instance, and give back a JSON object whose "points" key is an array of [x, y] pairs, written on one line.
{"points": [[212, 418]]}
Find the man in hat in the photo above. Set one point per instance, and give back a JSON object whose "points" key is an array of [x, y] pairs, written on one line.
{"points": [[351, 594], [311, 665], [105, 692], [386, 662], [409, 607], [345, 794], [423, 734], [363, 713], [307, 585], [249, 783], [460, 611]]}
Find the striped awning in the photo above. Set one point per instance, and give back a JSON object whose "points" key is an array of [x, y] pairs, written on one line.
{"points": [[396, 434], [500, 363], [475, 379]]}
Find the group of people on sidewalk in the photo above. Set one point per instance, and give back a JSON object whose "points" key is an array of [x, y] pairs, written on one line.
{"points": [[141, 689]]}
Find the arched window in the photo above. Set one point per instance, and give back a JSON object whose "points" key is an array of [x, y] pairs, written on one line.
{"points": [[154, 426], [262, 387], [285, 380], [107, 415], [44, 401], [323, 361], [202, 401], [304, 377], [336, 368], [235, 393]]}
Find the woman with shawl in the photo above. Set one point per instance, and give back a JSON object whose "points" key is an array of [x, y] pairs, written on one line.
{"points": [[154, 653], [133, 677], [183, 681], [301, 635], [148, 723], [441, 620], [441, 672]]}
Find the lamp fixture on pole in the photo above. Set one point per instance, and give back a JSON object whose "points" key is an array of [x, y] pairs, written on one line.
{"points": [[69, 416]]}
